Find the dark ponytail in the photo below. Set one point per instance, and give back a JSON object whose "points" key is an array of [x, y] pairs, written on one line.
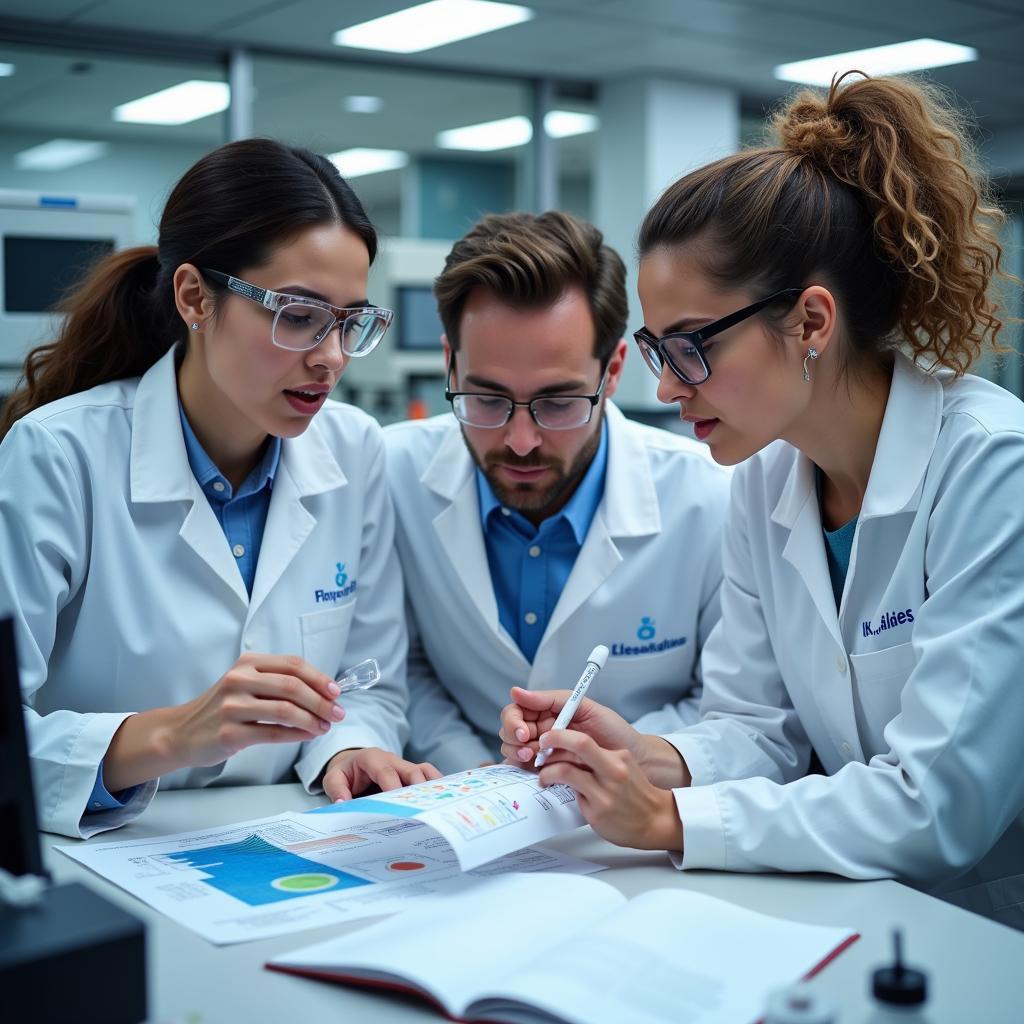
{"points": [[874, 190], [229, 211]]}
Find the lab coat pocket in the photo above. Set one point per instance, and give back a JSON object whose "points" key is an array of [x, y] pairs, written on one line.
{"points": [[324, 636], [880, 678]]}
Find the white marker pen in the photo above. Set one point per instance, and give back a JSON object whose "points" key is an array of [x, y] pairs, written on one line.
{"points": [[598, 656]]}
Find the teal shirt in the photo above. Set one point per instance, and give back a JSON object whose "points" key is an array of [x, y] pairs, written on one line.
{"points": [[838, 546]]}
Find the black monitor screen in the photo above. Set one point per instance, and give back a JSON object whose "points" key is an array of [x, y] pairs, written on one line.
{"points": [[38, 270], [419, 326], [19, 840]]}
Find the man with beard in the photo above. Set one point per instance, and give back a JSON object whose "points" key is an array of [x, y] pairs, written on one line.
{"points": [[537, 521]]}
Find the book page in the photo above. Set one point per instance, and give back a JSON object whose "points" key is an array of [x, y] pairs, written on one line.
{"points": [[483, 813], [670, 955], [473, 941]]}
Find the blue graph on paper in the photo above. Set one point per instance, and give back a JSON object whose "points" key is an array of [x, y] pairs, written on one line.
{"points": [[257, 872]]}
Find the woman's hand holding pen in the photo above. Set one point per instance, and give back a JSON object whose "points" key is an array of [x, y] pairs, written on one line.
{"points": [[613, 792], [533, 712]]}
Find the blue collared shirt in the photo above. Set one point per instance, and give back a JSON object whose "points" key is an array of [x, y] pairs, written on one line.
{"points": [[531, 564], [242, 517]]}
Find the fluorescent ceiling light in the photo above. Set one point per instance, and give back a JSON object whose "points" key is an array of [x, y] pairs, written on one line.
{"points": [[6, 70], [488, 135], [57, 154], [187, 101], [355, 162], [894, 59], [431, 24], [507, 132], [362, 104], [560, 124]]}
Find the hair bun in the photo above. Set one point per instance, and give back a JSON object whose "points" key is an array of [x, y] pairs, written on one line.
{"points": [[812, 127]]}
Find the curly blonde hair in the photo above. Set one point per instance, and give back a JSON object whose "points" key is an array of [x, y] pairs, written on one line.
{"points": [[872, 186]]}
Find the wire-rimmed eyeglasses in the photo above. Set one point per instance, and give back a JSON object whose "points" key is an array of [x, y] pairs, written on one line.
{"points": [[549, 412]]}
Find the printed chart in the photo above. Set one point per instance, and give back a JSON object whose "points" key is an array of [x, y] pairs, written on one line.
{"points": [[341, 862], [484, 813], [257, 872]]}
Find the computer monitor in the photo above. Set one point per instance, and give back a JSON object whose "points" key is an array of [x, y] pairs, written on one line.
{"points": [[53, 949], [47, 242], [419, 326], [19, 832], [39, 271]]}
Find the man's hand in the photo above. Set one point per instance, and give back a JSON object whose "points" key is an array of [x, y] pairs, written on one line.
{"points": [[351, 772]]}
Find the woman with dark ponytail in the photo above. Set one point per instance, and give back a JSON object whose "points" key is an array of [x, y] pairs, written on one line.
{"points": [[196, 541], [813, 308]]}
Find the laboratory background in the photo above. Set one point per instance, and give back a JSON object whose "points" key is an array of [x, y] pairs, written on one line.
{"points": [[589, 106], [439, 113]]}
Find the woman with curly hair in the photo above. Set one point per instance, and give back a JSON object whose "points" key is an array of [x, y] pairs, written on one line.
{"points": [[813, 308]]}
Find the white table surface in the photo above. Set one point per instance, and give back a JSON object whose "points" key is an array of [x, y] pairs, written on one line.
{"points": [[975, 967]]}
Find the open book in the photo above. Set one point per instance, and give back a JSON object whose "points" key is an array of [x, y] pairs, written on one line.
{"points": [[566, 948]]}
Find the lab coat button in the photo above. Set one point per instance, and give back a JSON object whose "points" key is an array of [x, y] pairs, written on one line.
{"points": [[530, 618], [238, 551], [841, 664], [218, 485], [506, 512], [534, 551], [845, 748]]}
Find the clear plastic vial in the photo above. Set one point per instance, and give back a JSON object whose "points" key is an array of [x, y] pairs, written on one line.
{"points": [[799, 1004], [363, 676]]}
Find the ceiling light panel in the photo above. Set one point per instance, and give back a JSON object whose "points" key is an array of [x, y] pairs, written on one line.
{"points": [[180, 104], [58, 154], [353, 163], [432, 24], [894, 59]]}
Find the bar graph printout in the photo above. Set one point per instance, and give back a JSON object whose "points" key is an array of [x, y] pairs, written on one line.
{"points": [[373, 855]]}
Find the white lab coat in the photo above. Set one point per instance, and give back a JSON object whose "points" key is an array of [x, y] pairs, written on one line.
{"points": [[652, 552], [126, 596], [912, 696]]}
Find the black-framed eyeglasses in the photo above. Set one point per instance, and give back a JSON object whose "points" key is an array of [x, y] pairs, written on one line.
{"points": [[684, 350], [549, 412], [301, 323]]}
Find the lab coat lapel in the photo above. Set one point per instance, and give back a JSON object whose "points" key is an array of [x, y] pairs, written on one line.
{"points": [[307, 467], [160, 471], [628, 508], [805, 551], [459, 532], [910, 429], [798, 511]]}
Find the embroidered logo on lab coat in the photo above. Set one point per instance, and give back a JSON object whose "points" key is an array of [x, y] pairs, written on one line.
{"points": [[342, 586], [646, 632], [888, 620]]}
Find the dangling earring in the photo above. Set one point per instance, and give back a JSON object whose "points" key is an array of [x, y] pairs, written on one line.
{"points": [[812, 353], [195, 327]]}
